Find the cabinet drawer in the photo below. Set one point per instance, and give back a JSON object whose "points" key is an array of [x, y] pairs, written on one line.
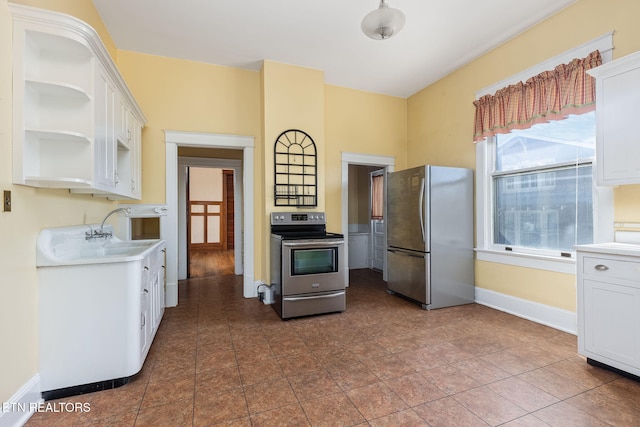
{"points": [[611, 268]]}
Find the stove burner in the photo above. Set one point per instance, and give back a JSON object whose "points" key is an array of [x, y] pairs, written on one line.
{"points": [[301, 225]]}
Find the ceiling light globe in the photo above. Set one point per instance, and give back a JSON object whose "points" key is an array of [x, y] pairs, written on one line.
{"points": [[383, 22]]}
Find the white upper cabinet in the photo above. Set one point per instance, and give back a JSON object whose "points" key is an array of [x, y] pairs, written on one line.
{"points": [[75, 123], [617, 100]]}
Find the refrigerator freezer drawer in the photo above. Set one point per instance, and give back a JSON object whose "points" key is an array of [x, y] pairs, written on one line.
{"points": [[408, 274]]}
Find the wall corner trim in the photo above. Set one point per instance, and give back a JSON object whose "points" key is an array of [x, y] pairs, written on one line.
{"points": [[22, 405]]}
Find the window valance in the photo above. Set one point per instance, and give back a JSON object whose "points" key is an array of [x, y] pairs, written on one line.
{"points": [[550, 95]]}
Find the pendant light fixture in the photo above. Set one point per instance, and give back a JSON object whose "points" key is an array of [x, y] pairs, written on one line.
{"points": [[383, 22]]}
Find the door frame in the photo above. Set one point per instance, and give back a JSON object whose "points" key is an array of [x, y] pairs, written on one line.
{"points": [[175, 139], [383, 162]]}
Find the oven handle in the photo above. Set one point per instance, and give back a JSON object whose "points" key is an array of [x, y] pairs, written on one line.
{"points": [[314, 243], [337, 294]]}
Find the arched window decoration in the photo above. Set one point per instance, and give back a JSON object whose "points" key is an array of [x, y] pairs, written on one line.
{"points": [[295, 170]]}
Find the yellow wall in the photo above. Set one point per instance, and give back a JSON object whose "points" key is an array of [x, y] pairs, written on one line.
{"points": [[364, 123], [441, 119]]}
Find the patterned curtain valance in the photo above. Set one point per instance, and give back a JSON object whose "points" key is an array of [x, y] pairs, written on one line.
{"points": [[551, 95]]}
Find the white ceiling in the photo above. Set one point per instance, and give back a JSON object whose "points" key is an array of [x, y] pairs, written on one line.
{"points": [[439, 35]]}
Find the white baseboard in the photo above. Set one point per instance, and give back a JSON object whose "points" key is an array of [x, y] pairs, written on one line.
{"points": [[171, 295], [19, 408], [553, 317]]}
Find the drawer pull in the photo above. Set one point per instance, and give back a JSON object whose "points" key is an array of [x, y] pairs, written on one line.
{"points": [[601, 267]]}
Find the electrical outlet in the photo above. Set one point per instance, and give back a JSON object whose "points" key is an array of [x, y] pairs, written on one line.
{"points": [[6, 201]]}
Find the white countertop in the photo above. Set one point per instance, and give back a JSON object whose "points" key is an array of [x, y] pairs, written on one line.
{"points": [[612, 248]]}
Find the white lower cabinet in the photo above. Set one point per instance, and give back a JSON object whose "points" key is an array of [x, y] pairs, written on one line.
{"points": [[358, 250], [609, 306], [98, 321]]}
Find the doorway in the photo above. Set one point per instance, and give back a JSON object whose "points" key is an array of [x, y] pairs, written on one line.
{"points": [[384, 164], [210, 221], [173, 183], [187, 161]]}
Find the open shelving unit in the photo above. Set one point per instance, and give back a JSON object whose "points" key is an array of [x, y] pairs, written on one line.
{"points": [[76, 125]]}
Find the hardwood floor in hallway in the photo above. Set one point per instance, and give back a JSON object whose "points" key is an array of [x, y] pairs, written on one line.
{"points": [[211, 263]]}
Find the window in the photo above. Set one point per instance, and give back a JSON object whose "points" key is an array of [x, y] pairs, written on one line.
{"points": [[377, 196], [541, 180], [525, 181], [532, 180]]}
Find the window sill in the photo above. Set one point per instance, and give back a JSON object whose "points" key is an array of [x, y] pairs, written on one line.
{"points": [[538, 262]]}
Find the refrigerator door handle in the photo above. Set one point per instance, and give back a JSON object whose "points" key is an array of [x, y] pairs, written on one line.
{"points": [[406, 253], [421, 207]]}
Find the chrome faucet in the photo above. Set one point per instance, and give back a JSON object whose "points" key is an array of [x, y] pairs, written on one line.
{"points": [[96, 234]]}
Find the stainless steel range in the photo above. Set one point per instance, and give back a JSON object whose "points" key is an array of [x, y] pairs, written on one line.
{"points": [[307, 265]]}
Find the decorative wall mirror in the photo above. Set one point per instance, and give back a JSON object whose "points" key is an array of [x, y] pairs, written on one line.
{"points": [[295, 170]]}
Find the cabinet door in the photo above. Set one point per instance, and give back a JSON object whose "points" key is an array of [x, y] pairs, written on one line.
{"points": [[618, 145], [136, 160], [145, 321], [122, 115], [611, 318], [146, 309], [358, 251], [157, 294], [105, 143]]}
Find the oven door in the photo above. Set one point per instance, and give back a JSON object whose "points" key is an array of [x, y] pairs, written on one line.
{"points": [[312, 265]]}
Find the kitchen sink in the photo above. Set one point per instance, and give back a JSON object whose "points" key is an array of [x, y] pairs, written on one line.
{"points": [[109, 251], [71, 246]]}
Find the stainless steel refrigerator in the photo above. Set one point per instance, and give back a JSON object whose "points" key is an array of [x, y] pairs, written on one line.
{"points": [[430, 235]]}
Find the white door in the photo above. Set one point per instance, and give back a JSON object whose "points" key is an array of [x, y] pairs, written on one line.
{"points": [[376, 240]]}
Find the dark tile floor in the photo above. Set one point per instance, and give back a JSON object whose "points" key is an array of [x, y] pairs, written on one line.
{"points": [[220, 359]]}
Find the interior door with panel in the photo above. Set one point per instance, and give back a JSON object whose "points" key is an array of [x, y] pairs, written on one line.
{"points": [[206, 209]]}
